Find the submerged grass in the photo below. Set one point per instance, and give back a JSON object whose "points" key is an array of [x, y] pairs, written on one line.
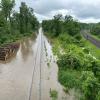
{"points": [[54, 94]]}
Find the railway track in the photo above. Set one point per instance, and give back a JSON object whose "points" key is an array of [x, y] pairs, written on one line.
{"points": [[41, 67], [40, 44], [91, 39]]}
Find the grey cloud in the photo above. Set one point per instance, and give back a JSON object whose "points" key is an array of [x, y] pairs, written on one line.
{"points": [[82, 9]]}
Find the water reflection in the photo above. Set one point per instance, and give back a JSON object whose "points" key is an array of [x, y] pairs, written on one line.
{"points": [[15, 74], [26, 48]]}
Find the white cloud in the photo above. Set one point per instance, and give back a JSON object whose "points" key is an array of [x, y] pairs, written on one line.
{"points": [[89, 20], [84, 10], [41, 17]]}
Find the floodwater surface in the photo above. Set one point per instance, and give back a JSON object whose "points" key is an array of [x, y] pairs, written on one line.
{"points": [[32, 73]]}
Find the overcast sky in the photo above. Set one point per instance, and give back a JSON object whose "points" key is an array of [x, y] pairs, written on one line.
{"points": [[83, 10]]}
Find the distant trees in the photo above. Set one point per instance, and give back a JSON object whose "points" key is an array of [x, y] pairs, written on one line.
{"points": [[57, 24], [71, 26], [60, 25], [7, 6], [19, 23], [24, 21], [27, 19], [96, 30]]}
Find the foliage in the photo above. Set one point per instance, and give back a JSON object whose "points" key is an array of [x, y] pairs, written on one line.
{"points": [[96, 68], [53, 94], [69, 61], [59, 25], [90, 85], [27, 19], [96, 30], [7, 6], [15, 25], [98, 96], [69, 78]]}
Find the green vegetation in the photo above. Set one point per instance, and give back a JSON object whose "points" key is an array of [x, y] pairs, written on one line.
{"points": [[57, 25], [78, 60], [90, 85], [92, 28], [53, 94], [95, 30], [16, 25], [69, 78]]}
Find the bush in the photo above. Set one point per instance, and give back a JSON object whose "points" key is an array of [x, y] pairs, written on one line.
{"points": [[90, 85], [69, 78], [96, 68], [69, 61]]}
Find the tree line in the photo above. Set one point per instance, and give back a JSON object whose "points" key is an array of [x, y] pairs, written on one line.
{"points": [[67, 24], [60, 24], [12, 22]]}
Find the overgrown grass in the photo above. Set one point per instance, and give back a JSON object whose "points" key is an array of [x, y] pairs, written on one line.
{"points": [[10, 38], [69, 78], [93, 49]]}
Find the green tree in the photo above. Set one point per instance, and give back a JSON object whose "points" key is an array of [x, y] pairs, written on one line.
{"points": [[95, 30], [71, 26], [57, 24], [23, 17], [27, 18], [7, 7]]}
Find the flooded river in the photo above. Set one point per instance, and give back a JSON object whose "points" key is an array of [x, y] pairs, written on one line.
{"points": [[32, 73]]}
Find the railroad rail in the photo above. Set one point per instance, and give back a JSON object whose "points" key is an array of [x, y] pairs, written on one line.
{"points": [[91, 39], [34, 68]]}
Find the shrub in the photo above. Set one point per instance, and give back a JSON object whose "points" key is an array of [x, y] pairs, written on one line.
{"points": [[70, 79], [90, 85], [69, 61]]}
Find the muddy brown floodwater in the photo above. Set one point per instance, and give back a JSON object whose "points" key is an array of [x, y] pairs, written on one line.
{"points": [[32, 73]]}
